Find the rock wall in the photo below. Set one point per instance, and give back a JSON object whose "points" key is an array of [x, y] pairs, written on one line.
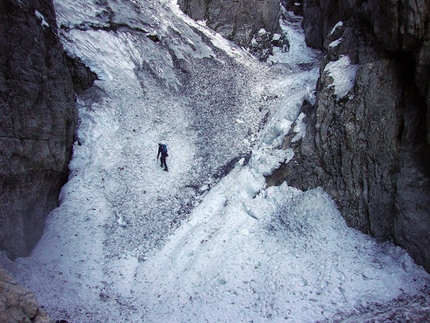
{"points": [[17, 303], [38, 119], [238, 20], [370, 147]]}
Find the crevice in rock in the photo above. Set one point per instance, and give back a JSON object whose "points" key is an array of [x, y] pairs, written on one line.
{"points": [[110, 26], [82, 76]]}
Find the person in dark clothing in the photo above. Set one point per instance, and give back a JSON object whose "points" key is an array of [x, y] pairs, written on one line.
{"points": [[162, 150]]}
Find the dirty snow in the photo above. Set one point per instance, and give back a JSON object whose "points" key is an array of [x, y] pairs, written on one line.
{"points": [[206, 241]]}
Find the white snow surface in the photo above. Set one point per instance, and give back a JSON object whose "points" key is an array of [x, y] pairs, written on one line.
{"points": [[343, 75], [206, 241], [338, 25], [39, 16]]}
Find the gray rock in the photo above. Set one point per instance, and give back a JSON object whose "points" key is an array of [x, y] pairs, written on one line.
{"points": [[370, 148], [428, 115], [82, 77], [38, 121], [18, 304], [238, 20], [399, 25]]}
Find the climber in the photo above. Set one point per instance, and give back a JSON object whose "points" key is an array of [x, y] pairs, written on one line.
{"points": [[162, 150]]}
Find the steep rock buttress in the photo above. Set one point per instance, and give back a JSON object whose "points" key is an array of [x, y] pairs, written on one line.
{"points": [[368, 135], [39, 117]]}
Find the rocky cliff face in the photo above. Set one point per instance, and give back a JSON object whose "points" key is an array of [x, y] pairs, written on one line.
{"points": [[38, 116], [236, 20], [240, 21], [38, 119], [368, 145]]}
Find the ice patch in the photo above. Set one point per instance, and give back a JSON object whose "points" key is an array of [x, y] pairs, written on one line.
{"points": [[338, 25], [343, 74], [43, 22], [300, 128], [298, 52], [335, 43]]}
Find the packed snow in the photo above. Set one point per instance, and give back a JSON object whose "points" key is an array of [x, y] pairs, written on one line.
{"points": [[206, 241], [342, 73]]}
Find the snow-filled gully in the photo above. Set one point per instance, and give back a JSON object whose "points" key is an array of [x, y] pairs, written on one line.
{"points": [[132, 243]]}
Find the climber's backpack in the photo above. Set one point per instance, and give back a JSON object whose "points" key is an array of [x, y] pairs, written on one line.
{"points": [[164, 150]]}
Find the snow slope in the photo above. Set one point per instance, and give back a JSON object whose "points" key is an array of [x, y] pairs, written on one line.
{"points": [[206, 241]]}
